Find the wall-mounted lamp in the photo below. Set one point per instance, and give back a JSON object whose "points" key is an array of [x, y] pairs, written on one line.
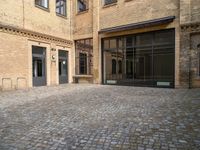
{"points": [[53, 58], [53, 49]]}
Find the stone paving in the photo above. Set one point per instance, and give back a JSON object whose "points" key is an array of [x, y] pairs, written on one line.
{"points": [[97, 117]]}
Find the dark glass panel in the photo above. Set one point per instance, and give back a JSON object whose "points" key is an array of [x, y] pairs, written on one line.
{"points": [[164, 37], [82, 5], [39, 68], [120, 66], [144, 39], [129, 63], [113, 43], [60, 67], [163, 65], [129, 42], [83, 63], [114, 65], [143, 63], [106, 44]]}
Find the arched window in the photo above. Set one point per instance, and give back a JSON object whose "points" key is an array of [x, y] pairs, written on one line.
{"points": [[120, 66], [114, 66]]}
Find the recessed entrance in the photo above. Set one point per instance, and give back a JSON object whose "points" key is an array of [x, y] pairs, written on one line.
{"points": [[39, 65], [63, 66]]}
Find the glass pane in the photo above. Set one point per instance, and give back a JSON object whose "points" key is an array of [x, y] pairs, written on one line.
{"points": [[120, 66], [39, 68], [110, 66], [83, 63], [120, 41], [82, 5], [144, 39], [61, 7], [163, 65], [164, 37], [199, 63], [43, 3], [106, 44], [34, 68], [129, 63], [113, 43], [129, 41], [143, 63], [64, 65], [60, 67], [114, 67]]}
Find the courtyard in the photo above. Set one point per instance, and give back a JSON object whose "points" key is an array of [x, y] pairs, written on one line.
{"points": [[99, 117]]}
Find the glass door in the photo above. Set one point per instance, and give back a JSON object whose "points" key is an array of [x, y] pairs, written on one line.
{"points": [[63, 66], [38, 66]]}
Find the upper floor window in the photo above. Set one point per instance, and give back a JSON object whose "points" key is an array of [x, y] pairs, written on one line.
{"points": [[82, 5], [107, 2], [42, 3], [61, 7]]}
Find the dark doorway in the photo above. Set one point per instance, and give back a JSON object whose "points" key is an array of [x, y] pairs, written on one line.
{"points": [[63, 66], [39, 65]]}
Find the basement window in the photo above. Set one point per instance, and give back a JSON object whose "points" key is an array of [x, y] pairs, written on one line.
{"points": [[82, 5], [108, 2], [61, 7], [42, 3]]}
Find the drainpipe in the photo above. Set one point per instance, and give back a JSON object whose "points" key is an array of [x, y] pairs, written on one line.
{"points": [[190, 74], [23, 13]]}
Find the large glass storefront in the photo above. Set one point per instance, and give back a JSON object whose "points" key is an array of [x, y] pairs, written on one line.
{"points": [[146, 59]]}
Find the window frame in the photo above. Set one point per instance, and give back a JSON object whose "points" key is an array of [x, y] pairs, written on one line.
{"points": [[42, 7], [199, 63], [59, 13], [87, 6], [84, 46], [109, 3]]}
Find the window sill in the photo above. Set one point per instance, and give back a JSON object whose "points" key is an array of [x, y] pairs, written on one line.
{"points": [[83, 76], [82, 12], [109, 5], [43, 8], [127, 0], [62, 16]]}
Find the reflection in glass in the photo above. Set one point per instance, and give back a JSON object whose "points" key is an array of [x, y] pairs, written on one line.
{"points": [[143, 59]]}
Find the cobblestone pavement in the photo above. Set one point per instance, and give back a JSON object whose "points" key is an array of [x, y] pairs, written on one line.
{"points": [[100, 117]]}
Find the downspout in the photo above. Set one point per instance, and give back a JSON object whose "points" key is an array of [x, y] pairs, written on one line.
{"points": [[190, 57], [190, 73], [23, 13]]}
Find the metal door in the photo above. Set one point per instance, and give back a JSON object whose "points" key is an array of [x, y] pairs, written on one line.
{"points": [[39, 65], [63, 66]]}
